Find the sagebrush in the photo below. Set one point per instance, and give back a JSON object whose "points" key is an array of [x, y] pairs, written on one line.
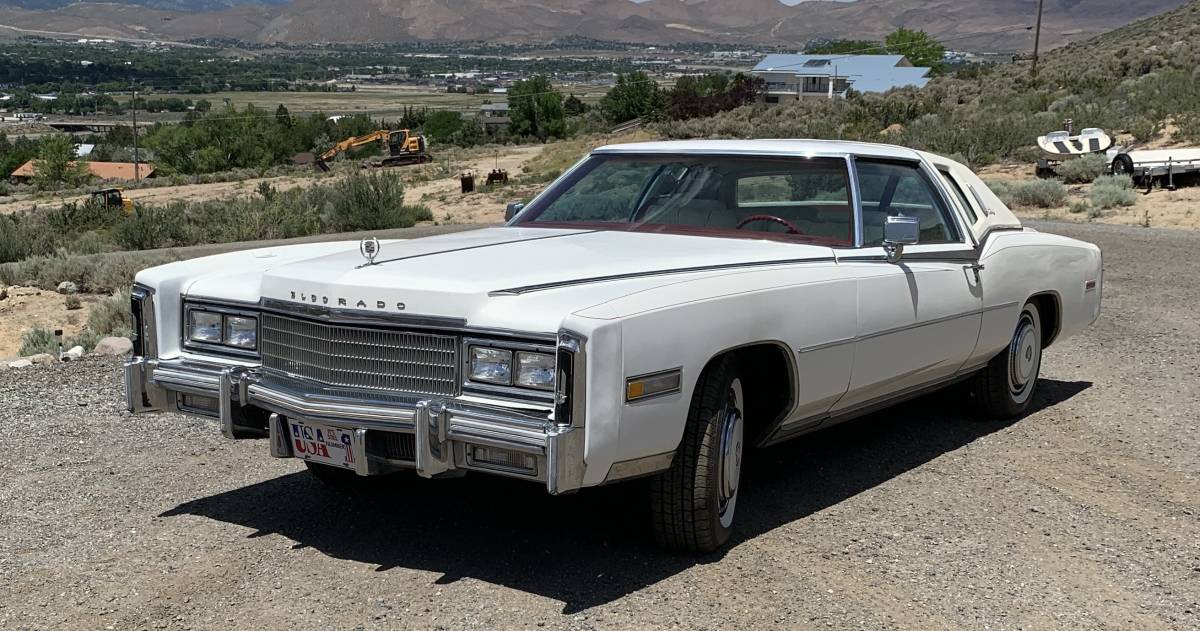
{"points": [[1030, 193], [1111, 191], [359, 201]]}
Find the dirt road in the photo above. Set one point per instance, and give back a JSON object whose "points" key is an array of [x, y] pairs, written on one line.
{"points": [[442, 189], [1084, 514]]}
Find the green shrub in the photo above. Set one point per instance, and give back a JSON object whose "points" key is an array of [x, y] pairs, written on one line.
{"points": [[23, 235], [72, 302], [111, 316], [1030, 193], [1110, 191], [38, 340], [370, 201], [86, 338], [92, 273], [1082, 169], [1079, 207]]}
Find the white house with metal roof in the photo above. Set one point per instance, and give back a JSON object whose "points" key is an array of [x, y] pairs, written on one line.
{"points": [[794, 77]]}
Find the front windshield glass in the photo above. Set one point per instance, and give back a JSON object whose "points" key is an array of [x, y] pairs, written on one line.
{"points": [[806, 199]]}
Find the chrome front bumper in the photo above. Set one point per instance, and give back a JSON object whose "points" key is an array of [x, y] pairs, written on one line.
{"points": [[446, 431]]}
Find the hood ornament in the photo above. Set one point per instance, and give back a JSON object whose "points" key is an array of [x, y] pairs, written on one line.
{"points": [[369, 248]]}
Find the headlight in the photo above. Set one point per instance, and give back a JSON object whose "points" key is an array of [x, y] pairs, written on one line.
{"points": [[223, 329], [535, 370], [491, 365], [241, 331], [205, 326]]}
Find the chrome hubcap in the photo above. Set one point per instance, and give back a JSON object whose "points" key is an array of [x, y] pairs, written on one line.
{"points": [[1024, 355], [729, 456]]}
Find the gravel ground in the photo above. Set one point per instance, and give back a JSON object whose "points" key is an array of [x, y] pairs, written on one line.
{"points": [[1084, 514]]}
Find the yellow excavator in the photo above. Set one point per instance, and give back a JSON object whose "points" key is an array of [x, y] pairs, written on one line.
{"points": [[403, 147]]}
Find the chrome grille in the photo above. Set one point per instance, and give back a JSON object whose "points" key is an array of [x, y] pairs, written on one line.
{"points": [[359, 357]]}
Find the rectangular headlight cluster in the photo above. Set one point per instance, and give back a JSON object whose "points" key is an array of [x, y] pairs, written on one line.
{"points": [[504, 367], [223, 329]]}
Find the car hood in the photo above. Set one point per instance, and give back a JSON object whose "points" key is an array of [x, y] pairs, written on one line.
{"points": [[499, 276]]}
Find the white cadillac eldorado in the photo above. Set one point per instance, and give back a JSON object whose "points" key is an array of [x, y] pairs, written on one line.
{"points": [[656, 309]]}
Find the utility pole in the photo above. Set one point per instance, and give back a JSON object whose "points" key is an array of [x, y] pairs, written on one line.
{"points": [[1037, 40], [137, 171]]}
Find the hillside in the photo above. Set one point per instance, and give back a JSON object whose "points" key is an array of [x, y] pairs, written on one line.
{"points": [[967, 24], [1141, 81]]}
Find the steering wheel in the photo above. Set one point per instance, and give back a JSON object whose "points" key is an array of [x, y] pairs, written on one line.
{"points": [[792, 229]]}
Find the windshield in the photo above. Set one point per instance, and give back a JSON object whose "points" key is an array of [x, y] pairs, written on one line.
{"points": [[806, 199]]}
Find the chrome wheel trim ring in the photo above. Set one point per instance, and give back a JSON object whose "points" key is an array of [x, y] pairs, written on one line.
{"points": [[729, 453], [1024, 357]]}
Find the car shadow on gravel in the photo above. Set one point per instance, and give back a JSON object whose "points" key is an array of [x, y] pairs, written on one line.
{"points": [[593, 547]]}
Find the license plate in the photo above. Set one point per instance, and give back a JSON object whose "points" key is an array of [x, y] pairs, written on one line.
{"points": [[323, 444]]}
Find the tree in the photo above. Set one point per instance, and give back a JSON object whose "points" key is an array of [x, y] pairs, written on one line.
{"points": [[441, 126], [709, 94], [574, 106], [283, 116], [57, 165], [535, 108], [635, 95], [917, 46]]}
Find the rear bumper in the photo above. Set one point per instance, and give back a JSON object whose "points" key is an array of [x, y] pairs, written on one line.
{"points": [[440, 436]]}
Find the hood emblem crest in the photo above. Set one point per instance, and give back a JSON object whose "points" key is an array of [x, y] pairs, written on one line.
{"points": [[369, 249]]}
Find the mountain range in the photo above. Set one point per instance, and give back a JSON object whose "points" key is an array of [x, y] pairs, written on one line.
{"points": [[995, 25]]}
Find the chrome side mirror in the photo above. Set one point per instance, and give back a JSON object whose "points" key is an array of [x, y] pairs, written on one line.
{"points": [[899, 231], [512, 210]]}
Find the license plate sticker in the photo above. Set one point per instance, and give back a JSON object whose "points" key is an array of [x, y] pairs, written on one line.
{"points": [[323, 444]]}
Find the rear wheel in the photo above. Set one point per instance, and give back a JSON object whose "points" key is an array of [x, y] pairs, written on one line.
{"points": [[1005, 387], [694, 501]]}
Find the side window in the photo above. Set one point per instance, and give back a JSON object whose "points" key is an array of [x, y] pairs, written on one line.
{"points": [[812, 198], [898, 188], [962, 197], [799, 187]]}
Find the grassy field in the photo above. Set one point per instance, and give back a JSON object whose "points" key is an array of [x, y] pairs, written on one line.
{"points": [[385, 101]]}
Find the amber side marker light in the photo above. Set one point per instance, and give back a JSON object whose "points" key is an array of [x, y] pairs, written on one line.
{"points": [[653, 385]]}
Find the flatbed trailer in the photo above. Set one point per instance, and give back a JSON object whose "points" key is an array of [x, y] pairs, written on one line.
{"points": [[1144, 166]]}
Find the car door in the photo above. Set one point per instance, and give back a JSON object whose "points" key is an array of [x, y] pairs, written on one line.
{"points": [[919, 318]]}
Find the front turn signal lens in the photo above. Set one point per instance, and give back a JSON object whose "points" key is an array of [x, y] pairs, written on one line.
{"points": [[653, 385]]}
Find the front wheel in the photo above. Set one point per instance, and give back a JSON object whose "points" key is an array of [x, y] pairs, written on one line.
{"points": [[693, 502], [1005, 387]]}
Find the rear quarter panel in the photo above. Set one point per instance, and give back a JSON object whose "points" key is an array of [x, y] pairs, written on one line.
{"points": [[1021, 264]]}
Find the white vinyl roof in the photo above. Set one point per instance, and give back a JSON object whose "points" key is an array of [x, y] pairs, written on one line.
{"points": [[766, 148]]}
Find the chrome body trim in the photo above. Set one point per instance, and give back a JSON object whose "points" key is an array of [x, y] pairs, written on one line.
{"points": [[517, 291], [855, 199], [188, 306], [147, 333], [510, 391], [907, 327], [786, 431], [350, 317], [482, 245], [639, 467]]}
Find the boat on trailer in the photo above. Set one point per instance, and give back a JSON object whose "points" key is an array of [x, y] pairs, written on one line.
{"points": [[1058, 146]]}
